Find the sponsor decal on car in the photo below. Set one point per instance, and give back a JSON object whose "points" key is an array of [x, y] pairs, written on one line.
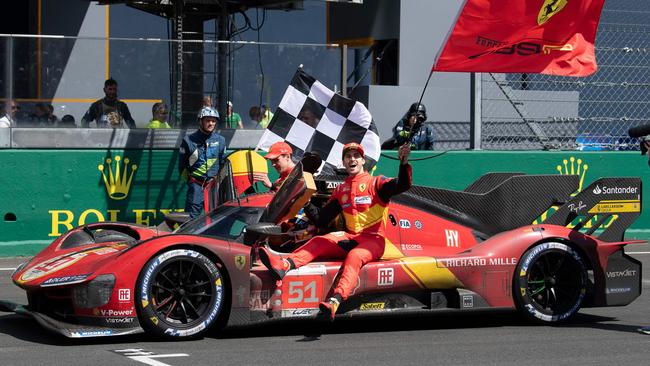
{"points": [[372, 306], [65, 280], [618, 206], [91, 333], [63, 261], [618, 290], [411, 247], [124, 295], [125, 320], [385, 277], [615, 190], [404, 224], [468, 301], [452, 237], [114, 313], [626, 273], [418, 224], [298, 312]]}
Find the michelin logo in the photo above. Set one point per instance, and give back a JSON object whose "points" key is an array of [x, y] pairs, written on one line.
{"points": [[615, 190]]}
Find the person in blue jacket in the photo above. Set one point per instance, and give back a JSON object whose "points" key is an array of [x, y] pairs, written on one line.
{"points": [[200, 156]]}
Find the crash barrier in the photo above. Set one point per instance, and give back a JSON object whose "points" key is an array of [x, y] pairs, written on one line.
{"points": [[46, 192]]}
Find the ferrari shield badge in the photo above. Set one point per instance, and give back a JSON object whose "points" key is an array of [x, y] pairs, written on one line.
{"points": [[240, 261], [550, 8], [362, 187]]}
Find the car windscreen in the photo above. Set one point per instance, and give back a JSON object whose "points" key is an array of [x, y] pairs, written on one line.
{"points": [[225, 222]]}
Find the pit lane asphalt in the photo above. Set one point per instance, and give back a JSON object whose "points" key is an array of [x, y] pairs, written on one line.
{"points": [[604, 336]]}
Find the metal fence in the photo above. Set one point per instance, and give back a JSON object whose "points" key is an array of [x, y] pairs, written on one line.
{"points": [[533, 112]]}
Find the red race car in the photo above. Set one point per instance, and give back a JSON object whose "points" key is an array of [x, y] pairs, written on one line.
{"points": [[445, 249]]}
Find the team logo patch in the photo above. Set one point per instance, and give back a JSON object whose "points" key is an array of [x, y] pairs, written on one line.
{"points": [[344, 198], [362, 187], [240, 261], [363, 200]]}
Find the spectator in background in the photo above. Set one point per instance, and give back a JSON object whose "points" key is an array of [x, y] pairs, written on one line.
{"points": [[255, 114], [109, 111], [267, 115], [8, 112], [207, 101], [51, 117], [233, 120], [38, 117], [67, 121], [160, 113]]}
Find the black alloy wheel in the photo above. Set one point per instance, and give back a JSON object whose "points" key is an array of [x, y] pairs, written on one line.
{"points": [[180, 294]]}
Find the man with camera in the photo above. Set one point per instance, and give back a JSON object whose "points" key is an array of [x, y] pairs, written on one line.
{"points": [[412, 127]]}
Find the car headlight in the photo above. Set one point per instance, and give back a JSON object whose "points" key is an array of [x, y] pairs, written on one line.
{"points": [[95, 293]]}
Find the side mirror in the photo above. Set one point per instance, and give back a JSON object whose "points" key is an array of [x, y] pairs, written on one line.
{"points": [[173, 219], [261, 230]]}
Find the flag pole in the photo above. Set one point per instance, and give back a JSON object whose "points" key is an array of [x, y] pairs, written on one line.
{"points": [[416, 126]]}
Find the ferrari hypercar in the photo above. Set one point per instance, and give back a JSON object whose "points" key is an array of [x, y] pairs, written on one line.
{"points": [[528, 242]]}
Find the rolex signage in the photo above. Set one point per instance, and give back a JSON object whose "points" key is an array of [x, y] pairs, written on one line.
{"points": [[118, 179]]}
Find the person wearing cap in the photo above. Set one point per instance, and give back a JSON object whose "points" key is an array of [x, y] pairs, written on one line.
{"points": [[200, 156], [233, 120], [363, 200], [280, 157]]}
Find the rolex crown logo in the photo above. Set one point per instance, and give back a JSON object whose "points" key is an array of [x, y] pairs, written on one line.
{"points": [[576, 168], [118, 181]]}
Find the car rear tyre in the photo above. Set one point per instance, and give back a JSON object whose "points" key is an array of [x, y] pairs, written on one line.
{"points": [[180, 294], [550, 283]]}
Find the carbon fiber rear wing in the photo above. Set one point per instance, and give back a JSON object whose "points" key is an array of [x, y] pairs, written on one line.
{"points": [[606, 208]]}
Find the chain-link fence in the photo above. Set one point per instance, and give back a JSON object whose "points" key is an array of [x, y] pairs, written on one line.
{"points": [[532, 111]]}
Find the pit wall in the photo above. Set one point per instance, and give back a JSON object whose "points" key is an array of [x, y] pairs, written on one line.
{"points": [[45, 192]]}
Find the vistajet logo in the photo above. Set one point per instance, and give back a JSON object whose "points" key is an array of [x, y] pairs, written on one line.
{"points": [[615, 190]]}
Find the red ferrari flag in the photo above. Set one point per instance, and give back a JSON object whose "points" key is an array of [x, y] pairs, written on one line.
{"points": [[554, 37]]}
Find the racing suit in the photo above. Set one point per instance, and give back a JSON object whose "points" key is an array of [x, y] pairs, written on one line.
{"points": [[363, 200], [200, 156]]}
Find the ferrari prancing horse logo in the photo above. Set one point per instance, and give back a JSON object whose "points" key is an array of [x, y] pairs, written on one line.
{"points": [[240, 261], [550, 8]]}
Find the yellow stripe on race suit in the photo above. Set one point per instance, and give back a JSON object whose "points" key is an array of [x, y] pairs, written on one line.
{"points": [[426, 272], [375, 214]]}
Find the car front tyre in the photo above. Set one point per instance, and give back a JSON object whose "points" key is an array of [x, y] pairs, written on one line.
{"points": [[180, 294]]}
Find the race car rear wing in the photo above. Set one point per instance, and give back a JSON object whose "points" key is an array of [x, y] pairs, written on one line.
{"points": [[607, 207]]}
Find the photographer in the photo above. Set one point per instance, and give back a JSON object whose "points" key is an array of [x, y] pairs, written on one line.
{"points": [[412, 124]]}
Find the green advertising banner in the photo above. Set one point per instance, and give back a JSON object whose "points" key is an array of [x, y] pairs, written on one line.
{"points": [[46, 192]]}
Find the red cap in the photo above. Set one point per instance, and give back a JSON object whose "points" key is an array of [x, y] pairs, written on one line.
{"points": [[278, 149], [352, 146]]}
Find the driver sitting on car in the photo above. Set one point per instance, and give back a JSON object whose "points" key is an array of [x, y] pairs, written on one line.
{"points": [[363, 200]]}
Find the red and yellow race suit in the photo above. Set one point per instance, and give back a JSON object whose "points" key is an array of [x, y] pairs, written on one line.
{"points": [[363, 200]]}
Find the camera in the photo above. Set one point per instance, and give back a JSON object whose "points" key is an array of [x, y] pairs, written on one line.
{"points": [[641, 133]]}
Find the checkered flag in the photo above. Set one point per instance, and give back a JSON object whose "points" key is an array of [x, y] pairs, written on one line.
{"points": [[313, 118]]}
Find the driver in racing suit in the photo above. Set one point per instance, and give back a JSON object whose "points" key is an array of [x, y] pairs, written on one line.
{"points": [[363, 200]]}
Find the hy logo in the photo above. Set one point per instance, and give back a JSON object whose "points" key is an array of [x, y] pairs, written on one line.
{"points": [[118, 181], [550, 8]]}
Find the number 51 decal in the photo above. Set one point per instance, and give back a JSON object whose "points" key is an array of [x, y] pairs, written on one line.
{"points": [[302, 292]]}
